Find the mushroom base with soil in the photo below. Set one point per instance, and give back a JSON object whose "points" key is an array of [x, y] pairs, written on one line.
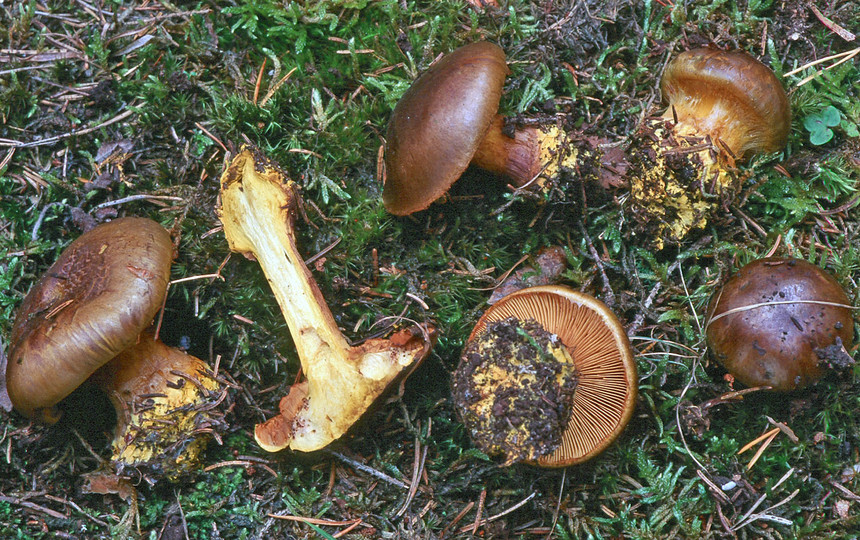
{"points": [[588, 344], [514, 390], [166, 403], [678, 181]]}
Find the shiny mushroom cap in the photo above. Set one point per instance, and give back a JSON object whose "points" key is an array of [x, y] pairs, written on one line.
{"points": [[93, 302], [779, 322], [730, 96], [606, 387], [438, 125]]}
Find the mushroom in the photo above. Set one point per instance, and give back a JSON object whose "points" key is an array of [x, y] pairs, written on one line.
{"points": [[257, 209], [448, 120], [547, 376], [724, 106], [90, 309], [780, 322]]}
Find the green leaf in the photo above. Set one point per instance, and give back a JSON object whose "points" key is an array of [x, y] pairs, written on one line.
{"points": [[830, 116], [820, 136]]}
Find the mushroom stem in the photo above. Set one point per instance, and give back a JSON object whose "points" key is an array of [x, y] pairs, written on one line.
{"points": [[158, 389], [524, 155], [258, 211]]}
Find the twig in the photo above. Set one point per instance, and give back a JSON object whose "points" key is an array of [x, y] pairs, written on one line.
{"points": [[847, 55], [259, 80], [776, 303], [417, 467], [460, 515], [369, 470], [500, 514], [607, 286], [35, 234], [192, 278], [275, 87], [477, 523], [652, 295], [558, 504], [757, 440], [73, 133], [772, 435], [137, 197], [33, 506], [182, 515], [323, 252], [838, 30], [213, 137], [418, 299]]}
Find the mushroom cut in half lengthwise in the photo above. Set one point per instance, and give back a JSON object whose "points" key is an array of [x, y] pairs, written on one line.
{"points": [[448, 120], [724, 106], [258, 210], [780, 322], [87, 319], [547, 377]]}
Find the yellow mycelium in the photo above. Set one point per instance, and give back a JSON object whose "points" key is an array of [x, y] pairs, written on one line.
{"points": [[514, 390], [556, 152], [165, 407], [677, 180]]}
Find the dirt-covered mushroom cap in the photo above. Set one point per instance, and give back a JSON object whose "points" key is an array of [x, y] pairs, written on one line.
{"points": [[730, 96], [780, 322], [438, 124], [94, 301], [605, 392]]}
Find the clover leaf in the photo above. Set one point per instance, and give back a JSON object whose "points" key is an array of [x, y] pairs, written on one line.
{"points": [[818, 125]]}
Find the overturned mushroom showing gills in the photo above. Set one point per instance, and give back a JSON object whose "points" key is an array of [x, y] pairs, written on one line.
{"points": [[724, 106], [90, 310], [780, 322], [604, 392], [258, 212], [448, 120]]}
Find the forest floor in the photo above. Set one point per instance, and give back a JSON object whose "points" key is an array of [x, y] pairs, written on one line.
{"points": [[134, 108]]}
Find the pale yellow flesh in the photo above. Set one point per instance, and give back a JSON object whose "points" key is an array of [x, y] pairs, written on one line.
{"points": [[342, 381]]}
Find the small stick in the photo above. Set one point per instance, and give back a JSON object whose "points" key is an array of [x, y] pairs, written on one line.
{"points": [[259, 80], [474, 526], [58, 138], [762, 448], [213, 137], [370, 470], [757, 440], [460, 515], [137, 197]]}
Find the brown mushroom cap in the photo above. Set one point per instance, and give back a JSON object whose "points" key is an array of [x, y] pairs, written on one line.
{"points": [[438, 125], [774, 323], [731, 96], [606, 390], [94, 301]]}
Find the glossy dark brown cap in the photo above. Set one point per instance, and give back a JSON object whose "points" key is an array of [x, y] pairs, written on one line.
{"points": [[731, 96], [438, 124], [606, 391], [93, 302], [778, 322]]}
